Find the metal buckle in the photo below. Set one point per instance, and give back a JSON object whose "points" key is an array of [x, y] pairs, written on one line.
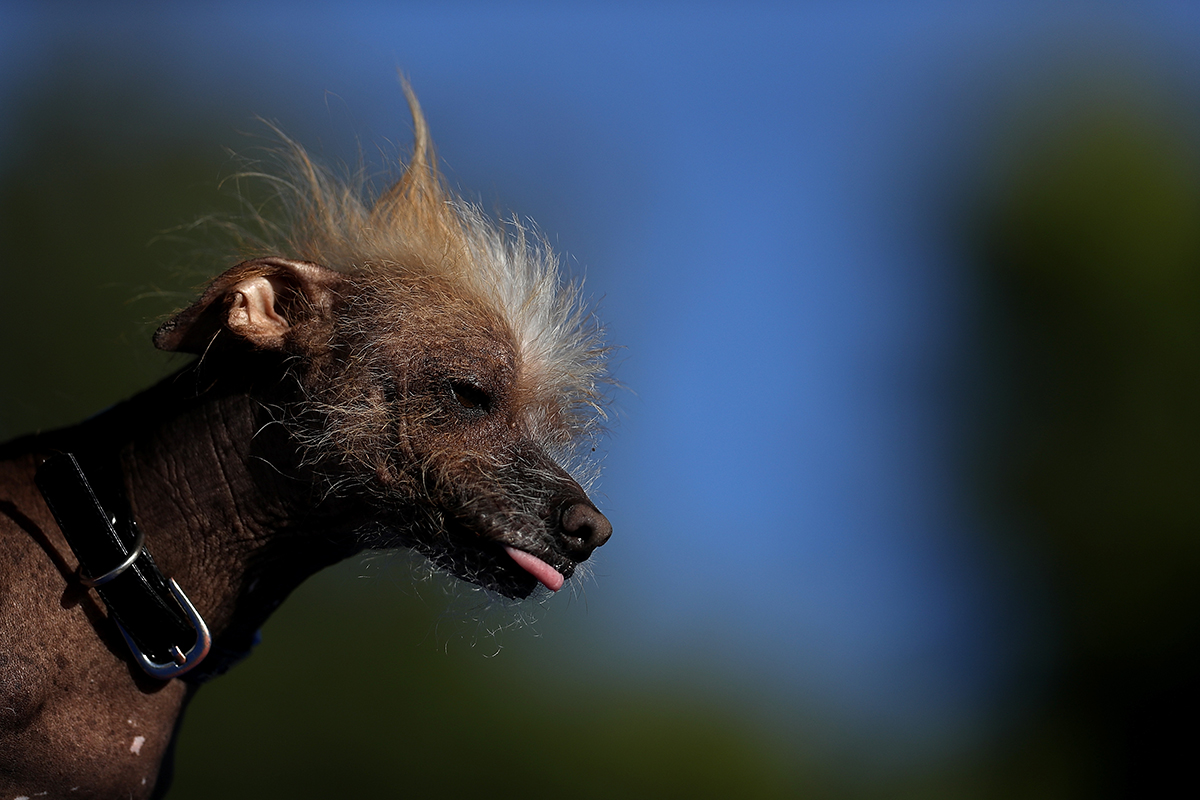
{"points": [[182, 661]]}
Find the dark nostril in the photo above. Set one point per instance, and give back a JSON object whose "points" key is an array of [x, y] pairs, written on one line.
{"points": [[588, 525]]}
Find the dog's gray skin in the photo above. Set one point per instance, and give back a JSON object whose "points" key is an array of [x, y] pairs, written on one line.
{"points": [[348, 400]]}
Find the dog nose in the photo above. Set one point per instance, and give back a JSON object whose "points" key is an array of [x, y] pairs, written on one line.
{"points": [[585, 528]]}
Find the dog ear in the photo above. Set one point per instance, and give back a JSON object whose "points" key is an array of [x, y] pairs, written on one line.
{"points": [[255, 303]]}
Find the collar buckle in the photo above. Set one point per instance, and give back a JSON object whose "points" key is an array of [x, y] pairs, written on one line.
{"points": [[180, 661]]}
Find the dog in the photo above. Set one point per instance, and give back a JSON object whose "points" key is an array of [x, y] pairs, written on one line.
{"points": [[395, 372]]}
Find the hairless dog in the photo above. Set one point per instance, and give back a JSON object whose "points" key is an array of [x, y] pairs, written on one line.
{"points": [[395, 372]]}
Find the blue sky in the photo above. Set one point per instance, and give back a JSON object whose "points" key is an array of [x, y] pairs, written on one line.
{"points": [[762, 199]]}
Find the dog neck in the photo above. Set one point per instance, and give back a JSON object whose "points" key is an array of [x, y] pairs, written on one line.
{"points": [[213, 487]]}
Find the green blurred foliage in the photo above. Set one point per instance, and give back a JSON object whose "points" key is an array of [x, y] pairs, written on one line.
{"points": [[358, 691], [1091, 245]]}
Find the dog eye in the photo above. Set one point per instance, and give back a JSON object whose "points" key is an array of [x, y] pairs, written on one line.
{"points": [[470, 396]]}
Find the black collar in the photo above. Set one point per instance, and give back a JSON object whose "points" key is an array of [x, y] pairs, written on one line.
{"points": [[163, 630]]}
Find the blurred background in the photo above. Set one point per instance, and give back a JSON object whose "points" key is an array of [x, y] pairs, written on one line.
{"points": [[904, 481]]}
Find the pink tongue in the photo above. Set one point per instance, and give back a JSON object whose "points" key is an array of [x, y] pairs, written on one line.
{"points": [[539, 569]]}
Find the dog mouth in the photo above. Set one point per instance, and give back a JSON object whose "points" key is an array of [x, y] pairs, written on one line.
{"points": [[488, 560], [516, 571]]}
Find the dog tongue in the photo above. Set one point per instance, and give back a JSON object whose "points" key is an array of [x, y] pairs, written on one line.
{"points": [[539, 569]]}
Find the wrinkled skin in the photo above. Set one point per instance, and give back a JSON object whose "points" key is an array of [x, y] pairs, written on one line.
{"points": [[315, 425]]}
